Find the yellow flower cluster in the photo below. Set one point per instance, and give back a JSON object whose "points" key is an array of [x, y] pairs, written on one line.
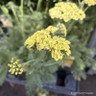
{"points": [[44, 40], [15, 67], [90, 2], [67, 11]]}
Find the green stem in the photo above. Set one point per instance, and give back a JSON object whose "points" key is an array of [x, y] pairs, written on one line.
{"points": [[30, 61], [31, 9], [15, 15], [22, 18], [46, 65], [22, 14], [79, 2], [86, 9], [39, 5], [1, 31], [70, 26], [81, 5], [47, 6]]}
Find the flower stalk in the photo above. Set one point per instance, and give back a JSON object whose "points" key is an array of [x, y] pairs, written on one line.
{"points": [[39, 5], [47, 6]]}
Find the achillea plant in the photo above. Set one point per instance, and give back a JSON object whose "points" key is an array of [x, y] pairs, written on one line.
{"points": [[49, 41]]}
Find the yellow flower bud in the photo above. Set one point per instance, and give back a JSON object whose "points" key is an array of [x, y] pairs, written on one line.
{"points": [[20, 73], [16, 73], [9, 65], [14, 63], [12, 60], [17, 69], [21, 70], [10, 70], [19, 65], [13, 66], [13, 71]]}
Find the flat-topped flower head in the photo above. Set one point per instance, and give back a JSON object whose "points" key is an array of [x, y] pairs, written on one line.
{"points": [[90, 2], [15, 67], [46, 40], [66, 11]]}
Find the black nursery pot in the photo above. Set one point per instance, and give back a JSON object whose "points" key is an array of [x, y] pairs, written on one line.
{"points": [[22, 76], [18, 79], [65, 83], [61, 76]]}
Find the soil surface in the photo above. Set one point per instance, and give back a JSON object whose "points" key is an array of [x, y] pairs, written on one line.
{"points": [[87, 88]]}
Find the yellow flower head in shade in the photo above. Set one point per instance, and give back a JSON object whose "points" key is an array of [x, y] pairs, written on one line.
{"points": [[63, 29], [46, 40], [15, 67], [66, 11], [90, 2]]}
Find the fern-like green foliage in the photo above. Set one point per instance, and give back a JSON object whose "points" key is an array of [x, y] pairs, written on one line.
{"points": [[3, 68], [39, 73]]}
